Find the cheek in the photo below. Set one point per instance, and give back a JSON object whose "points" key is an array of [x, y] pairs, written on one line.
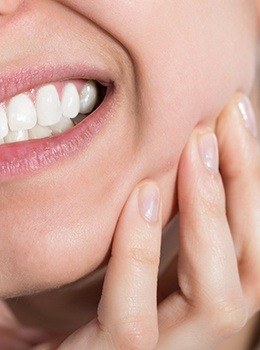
{"points": [[189, 59], [57, 226], [200, 64]]}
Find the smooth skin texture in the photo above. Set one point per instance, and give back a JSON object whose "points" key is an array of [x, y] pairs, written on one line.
{"points": [[165, 86], [217, 270], [162, 95]]}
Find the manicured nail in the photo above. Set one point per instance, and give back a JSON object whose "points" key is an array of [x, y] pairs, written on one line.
{"points": [[208, 149], [149, 201], [247, 112]]}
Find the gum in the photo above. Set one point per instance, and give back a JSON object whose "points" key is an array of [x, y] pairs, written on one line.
{"points": [[59, 86]]}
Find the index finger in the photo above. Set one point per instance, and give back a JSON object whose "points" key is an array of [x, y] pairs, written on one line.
{"points": [[128, 307]]}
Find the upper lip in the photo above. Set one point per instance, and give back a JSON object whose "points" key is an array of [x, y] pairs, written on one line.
{"points": [[15, 82], [26, 156], [61, 59]]}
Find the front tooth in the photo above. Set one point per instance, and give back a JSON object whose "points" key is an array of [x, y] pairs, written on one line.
{"points": [[48, 105], [88, 97], [39, 132], [70, 101], [3, 123], [21, 113], [14, 136], [63, 125]]}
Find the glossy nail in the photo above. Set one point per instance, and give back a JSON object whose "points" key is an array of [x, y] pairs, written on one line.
{"points": [[208, 149], [149, 201]]}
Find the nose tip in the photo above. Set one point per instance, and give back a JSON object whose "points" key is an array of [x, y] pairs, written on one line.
{"points": [[9, 6]]}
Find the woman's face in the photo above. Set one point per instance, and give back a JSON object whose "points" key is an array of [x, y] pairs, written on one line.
{"points": [[174, 64]]}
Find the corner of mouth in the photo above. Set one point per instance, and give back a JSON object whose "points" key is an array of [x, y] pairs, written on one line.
{"points": [[21, 158]]}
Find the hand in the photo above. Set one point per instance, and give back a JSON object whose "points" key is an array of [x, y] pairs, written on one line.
{"points": [[219, 253]]}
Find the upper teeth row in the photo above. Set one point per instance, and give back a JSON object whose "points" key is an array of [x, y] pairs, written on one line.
{"points": [[22, 114]]}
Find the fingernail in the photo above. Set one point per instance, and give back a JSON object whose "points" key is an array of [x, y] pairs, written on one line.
{"points": [[247, 112], [208, 149], [149, 201]]}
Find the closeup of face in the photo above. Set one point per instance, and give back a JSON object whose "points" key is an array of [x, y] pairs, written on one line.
{"points": [[169, 65]]}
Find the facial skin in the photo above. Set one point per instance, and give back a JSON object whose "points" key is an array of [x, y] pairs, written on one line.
{"points": [[176, 64]]}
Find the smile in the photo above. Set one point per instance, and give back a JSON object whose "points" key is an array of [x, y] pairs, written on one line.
{"points": [[51, 121], [48, 110]]}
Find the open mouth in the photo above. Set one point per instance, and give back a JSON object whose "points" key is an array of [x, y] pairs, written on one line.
{"points": [[51, 121], [49, 110]]}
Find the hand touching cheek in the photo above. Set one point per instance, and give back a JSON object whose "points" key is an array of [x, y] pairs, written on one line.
{"points": [[240, 168], [218, 261]]}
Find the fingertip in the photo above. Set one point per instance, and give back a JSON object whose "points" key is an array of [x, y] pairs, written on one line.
{"points": [[236, 130], [200, 187], [141, 216], [245, 109], [149, 201], [201, 154], [238, 117], [208, 151]]}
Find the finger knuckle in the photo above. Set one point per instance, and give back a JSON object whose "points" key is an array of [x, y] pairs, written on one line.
{"points": [[229, 317], [206, 201], [105, 335], [143, 256], [211, 201], [136, 333]]}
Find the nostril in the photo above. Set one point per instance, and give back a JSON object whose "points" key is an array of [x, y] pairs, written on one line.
{"points": [[9, 6]]}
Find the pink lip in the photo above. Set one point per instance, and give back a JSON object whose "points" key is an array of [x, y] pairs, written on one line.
{"points": [[14, 83], [21, 158]]}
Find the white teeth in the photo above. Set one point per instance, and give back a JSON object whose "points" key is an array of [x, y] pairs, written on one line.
{"points": [[21, 113], [88, 97], [48, 105], [63, 125], [3, 123], [39, 132], [70, 101], [23, 118], [14, 136]]}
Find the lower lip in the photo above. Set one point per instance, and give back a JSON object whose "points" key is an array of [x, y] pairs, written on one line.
{"points": [[25, 157]]}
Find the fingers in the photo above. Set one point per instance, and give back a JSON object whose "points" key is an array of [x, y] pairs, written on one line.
{"points": [[210, 292], [208, 267], [240, 169], [128, 308], [127, 313]]}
